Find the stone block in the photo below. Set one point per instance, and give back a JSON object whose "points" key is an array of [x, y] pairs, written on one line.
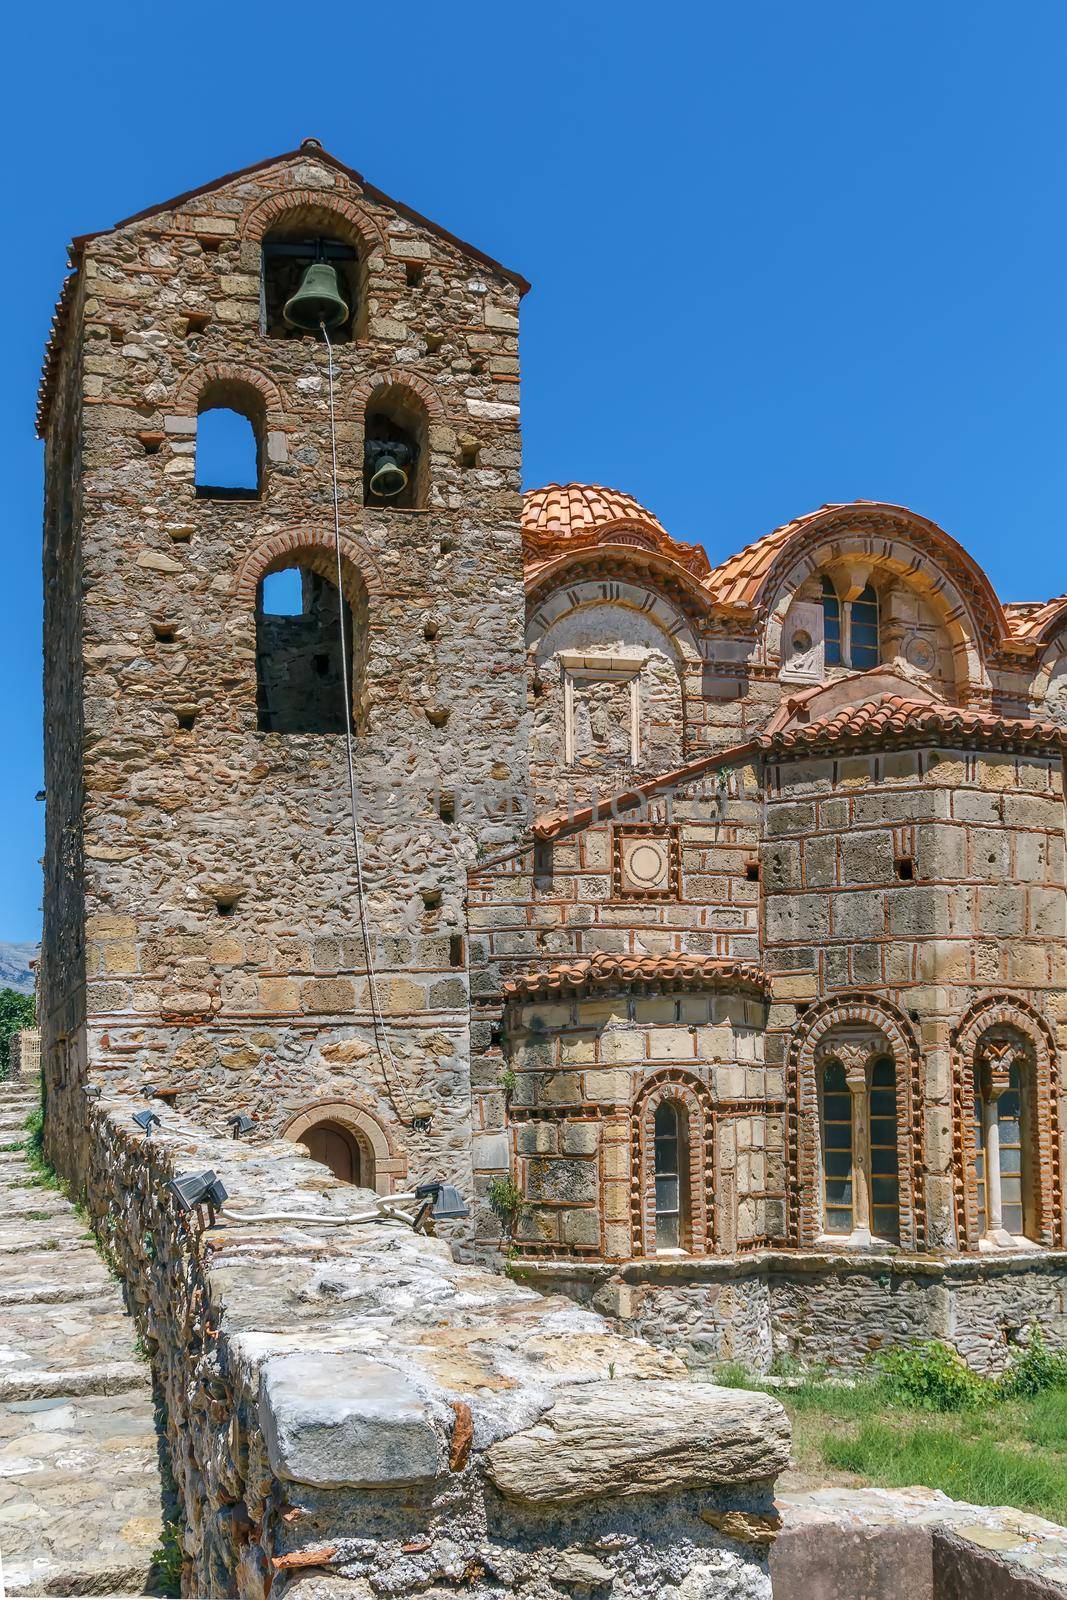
{"points": [[537, 1138], [858, 915], [555, 1180], [787, 817], [670, 1044], [581, 1138], [800, 916], [867, 857], [607, 1088], [607, 1439], [581, 1228], [343, 1421]]}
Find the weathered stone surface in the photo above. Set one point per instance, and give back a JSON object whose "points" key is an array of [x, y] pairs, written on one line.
{"points": [[331, 1420], [620, 1439]]}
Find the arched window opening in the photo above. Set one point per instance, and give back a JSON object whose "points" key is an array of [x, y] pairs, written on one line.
{"points": [[863, 632], [311, 271], [885, 1176], [230, 425], [395, 452], [672, 1177], [850, 629], [858, 1131], [831, 621], [836, 1115], [339, 1149], [299, 683], [1002, 1149]]}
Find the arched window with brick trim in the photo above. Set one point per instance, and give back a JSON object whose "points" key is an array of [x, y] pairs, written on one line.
{"points": [[1007, 1176], [230, 453], [858, 1142], [673, 1166], [1004, 1175], [674, 1222], [302, 672]]}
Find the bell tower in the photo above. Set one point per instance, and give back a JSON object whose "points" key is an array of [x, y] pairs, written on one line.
{"points": [[216, 933]]}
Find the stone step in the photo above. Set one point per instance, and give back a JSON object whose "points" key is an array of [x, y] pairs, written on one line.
{"points": [[73, 1337], [79, 1494], [54, 1228], [44, 1277], [34, 1205], [108, 1378]]}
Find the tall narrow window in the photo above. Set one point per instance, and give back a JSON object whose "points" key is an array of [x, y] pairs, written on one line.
{"points": [[836, 1109], [1001, 1143], [230, 427], [831, 622], [885, 1180], [863, 631], [300, 687], [672, 1163]]}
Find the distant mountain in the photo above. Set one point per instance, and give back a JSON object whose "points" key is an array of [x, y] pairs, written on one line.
{"points": [[15, 966]]}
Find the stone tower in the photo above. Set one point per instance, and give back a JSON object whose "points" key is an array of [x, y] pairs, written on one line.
{"points": [[203, 933]]}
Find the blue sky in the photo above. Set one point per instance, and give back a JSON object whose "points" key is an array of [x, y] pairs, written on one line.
{"points": [[782, 253]]}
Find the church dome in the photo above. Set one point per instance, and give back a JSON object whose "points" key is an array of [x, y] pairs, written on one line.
{"points": [[576, 510]]}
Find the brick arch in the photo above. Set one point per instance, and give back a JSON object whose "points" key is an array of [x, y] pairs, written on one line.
{"points": [[388, 1160], [1007, 1012], [308, 541], [915, 565], [631, 593], [186, 397], [261, 217], [686, 1089], [809, 1047], [397, 378]]}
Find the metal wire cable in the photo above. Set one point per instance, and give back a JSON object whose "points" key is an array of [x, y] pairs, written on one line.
{"points": [[381, 1037]]}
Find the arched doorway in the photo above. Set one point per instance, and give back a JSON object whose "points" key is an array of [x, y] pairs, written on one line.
{"points": [[339, 1150]]}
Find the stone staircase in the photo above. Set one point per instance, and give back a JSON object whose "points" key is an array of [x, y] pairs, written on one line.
{"points": [[80, 1498]]}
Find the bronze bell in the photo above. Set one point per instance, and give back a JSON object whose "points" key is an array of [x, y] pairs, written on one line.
{"points": [[318, 300], [388, 459]]}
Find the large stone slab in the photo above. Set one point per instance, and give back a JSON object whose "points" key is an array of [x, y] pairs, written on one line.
{"points": [[636, 1438], [341, 1420]]}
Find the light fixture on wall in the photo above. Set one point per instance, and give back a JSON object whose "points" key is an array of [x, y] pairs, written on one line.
{"points": [[240, 1123], [146, 1120], [442, 1201], [199, 1189]]}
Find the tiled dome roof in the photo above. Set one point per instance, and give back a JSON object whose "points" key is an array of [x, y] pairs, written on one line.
{"points": [[564, 510], [565, 518]]}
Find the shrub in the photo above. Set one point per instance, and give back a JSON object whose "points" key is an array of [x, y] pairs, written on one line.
{"points": [[1035, 1369], [931, 1377], [505, 1201]]}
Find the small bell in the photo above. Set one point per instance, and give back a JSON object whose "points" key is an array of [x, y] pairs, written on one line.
{"points": [[318, 300], [387, 459]]}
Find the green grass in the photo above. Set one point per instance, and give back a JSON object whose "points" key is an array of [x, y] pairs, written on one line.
{"points": [[995, 1446]]}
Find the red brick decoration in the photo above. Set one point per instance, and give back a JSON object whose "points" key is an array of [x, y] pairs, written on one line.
{"points": [[260, 218], [892, 1035], [689, 1093], [222, 375], [623, 883], [396, 378], [643, 973], [317, 542], [995, 1019]]}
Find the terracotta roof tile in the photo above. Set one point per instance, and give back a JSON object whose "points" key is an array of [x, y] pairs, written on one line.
{"points": [[565, 509], [563, 517], [894, 720], [604, 971], [1035, 620]]}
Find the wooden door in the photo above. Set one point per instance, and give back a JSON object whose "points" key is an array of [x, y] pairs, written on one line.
{"points": [[335, 1148]]}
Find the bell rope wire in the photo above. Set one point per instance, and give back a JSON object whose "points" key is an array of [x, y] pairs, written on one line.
{"points": [[390, 1070]]}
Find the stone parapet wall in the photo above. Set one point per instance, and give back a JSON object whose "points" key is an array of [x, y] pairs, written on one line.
{"points": [[822, 1310], [349, 1406]]}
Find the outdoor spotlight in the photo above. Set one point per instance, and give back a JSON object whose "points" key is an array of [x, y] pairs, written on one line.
{"points": [[240, 1123], [92, 1091], [198, 1189], [442, 1200], [145, 1121]]}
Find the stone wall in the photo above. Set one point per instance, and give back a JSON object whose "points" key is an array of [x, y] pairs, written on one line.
{"points": [[821, 1309], [350, 1402]]}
